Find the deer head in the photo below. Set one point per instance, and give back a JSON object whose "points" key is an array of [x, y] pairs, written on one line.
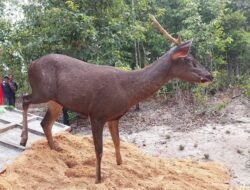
{"points": [[183, 65]]}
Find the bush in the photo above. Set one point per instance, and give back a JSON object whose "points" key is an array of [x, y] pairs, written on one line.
{"points": [[246, 87], [220, 82], [200, 95], [72, 115]]}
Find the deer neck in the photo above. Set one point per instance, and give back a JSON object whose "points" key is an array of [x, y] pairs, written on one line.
{"points": [[148, 80]]}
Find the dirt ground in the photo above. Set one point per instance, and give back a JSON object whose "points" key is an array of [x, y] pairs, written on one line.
{"points": [[163, 126], [176, 128], [73, 167]]}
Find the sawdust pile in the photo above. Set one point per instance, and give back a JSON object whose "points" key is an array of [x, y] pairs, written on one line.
{"points": [[73, 167]]}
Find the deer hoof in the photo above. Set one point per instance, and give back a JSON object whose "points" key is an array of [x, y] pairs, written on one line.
{"points": [[97, 181], [58, 148], [118, 159], [55, 146], [119, 162], [23, 142]]}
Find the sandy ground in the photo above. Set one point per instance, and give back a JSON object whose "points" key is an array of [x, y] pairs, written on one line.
{"points": [[73, 167], [162, 127], [174, 129], [224, 142]]}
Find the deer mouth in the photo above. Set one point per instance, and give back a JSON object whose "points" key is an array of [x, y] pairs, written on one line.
{"points": [[206, 79]]}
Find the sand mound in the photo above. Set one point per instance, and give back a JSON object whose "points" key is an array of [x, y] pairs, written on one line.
{"points": [[74, 168]]}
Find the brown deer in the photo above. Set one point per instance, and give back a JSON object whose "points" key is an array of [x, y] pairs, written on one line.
{"points": [[103, 93]]}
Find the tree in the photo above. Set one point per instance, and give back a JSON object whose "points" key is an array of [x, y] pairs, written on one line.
{"points": [[119, 32]]}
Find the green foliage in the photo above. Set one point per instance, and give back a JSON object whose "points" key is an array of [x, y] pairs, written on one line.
{"points": [[246, 87], [220, 81], [72, 115], [119, 33], [124, 68], [10, 108], [219, 106], [167, 88], [200, 95]]}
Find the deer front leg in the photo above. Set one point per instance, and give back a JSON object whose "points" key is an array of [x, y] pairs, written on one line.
{"points": [[114, 131], [97, 130]]}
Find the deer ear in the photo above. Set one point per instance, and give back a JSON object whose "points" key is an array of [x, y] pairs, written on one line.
{"points": [[181, 50]]}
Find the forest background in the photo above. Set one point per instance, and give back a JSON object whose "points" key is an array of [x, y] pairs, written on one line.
{"points": [[119, 33]]}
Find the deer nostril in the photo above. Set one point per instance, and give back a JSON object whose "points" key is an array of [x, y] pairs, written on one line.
{"points": [[210, 77]]}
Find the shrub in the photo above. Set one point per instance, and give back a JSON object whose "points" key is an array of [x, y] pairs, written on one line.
{"points": [[246, 87]]}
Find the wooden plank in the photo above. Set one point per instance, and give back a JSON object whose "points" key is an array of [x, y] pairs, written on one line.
{"points": [[14, 116], [7, 127], [14, 136], [3, 121], [8, 153], [11, 145], [32, 131], [33, 117], [10, 134], [13, 125]]}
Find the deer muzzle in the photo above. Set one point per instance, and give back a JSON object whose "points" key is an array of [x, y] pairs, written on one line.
{"points": [[206, 79]]}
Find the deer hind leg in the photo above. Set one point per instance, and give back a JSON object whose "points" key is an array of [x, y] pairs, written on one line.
{"points": [[27, 100], [97, 131], [114, 131], [50, 117]]}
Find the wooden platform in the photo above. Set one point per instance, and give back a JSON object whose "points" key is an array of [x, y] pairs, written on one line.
{"points": [[10, 133]]}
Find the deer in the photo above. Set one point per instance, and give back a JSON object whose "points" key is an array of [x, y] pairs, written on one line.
{"points": [[103, 93]]}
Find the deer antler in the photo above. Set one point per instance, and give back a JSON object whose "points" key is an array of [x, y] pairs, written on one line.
{"points": [[164, 32]]}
